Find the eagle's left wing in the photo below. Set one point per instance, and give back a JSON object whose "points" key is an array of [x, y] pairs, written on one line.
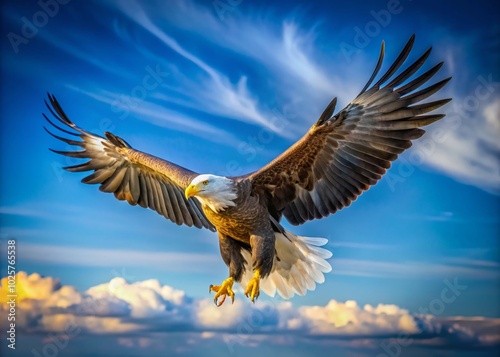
{"points": [[131, 175], [342, 155]]}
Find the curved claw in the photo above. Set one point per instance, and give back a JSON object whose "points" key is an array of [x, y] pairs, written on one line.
{"points": [[223, 291], [219, 304], [252, 289]]}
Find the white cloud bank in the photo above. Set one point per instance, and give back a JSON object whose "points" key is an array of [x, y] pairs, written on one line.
{"points": [[130, 310]]}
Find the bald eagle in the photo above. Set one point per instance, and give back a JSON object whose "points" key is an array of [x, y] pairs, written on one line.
{"points": [[340, 156]]}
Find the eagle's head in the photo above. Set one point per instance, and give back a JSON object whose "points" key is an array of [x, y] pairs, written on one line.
{"points": [[217, 192]]}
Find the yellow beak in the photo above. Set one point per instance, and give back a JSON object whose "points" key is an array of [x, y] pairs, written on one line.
{"points": [[191, 190]]}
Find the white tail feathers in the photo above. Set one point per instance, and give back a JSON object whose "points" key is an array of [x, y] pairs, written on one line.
{"points": [[298, 265]]}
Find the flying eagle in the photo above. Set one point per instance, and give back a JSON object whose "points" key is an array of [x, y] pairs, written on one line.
{"points": [[340, 156]]}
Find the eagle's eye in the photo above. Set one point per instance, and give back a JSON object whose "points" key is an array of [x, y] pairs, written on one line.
{"points": [[205, 182]]}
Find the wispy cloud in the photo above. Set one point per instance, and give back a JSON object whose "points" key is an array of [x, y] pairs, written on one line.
{"points": [[71, 44], [280, 44], [414, 269], [40, 209], [163, 117], [90, 257], [60, 212], [473, 262], [215, 94], [355, 245], [465, 144], [277, 59], [22, 211]]}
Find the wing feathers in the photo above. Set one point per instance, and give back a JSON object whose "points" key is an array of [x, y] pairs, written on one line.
{"points": [[407, 73], [97, 176], [342, 155], [417, 82], [377, 69], [328, 112], [143, 198], [134, 185], [114, 181], [399, 61], [426, 92], [130, 175]]}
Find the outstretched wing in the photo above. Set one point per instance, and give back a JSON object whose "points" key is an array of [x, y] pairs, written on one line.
{"points": [[131, 175], [342, 155]]}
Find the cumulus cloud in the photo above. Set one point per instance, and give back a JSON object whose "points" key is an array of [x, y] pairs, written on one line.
{"points": [[351, 319], [131, 310], [31, 286]]}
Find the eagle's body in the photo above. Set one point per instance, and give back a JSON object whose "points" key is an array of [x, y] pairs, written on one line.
{"points": [[241, 218], [250, 238], [244, 225], [341, 156]]}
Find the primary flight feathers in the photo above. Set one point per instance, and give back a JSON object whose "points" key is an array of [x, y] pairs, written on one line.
{"points": [[131, 175]]}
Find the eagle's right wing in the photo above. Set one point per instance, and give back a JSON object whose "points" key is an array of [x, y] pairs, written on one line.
{"points": [[343, 155], [131, 175]]}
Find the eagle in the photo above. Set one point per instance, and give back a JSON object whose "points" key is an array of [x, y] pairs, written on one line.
{"points": [[341, 156]]}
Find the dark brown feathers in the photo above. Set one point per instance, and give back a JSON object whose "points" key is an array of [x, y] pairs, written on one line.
{"points": [[130, 175], [342, 155]]}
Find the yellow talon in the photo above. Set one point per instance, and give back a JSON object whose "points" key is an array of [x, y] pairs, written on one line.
{"points": [[223, 290], [253, 286]]}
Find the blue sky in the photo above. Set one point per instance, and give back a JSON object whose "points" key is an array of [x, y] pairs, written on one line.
{"points": [[224, 87]]}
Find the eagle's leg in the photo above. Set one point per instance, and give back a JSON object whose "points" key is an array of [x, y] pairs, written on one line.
{"points": [[230, 250], [263, 249], [252, 291], [225, 289]]}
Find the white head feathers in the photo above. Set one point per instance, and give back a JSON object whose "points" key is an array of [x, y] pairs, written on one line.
{"points": [[217, 192]]}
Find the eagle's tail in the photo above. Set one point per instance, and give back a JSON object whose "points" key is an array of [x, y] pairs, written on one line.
{"points": [[298, 265]]}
